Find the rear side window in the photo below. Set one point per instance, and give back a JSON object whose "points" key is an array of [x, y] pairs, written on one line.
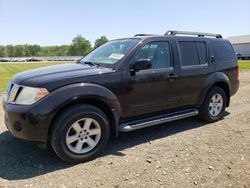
{"points": [[223, 52], [193, 53], [202, 49]]}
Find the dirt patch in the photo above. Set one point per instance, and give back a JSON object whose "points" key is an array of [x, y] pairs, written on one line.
{"points": [[186, 153]]}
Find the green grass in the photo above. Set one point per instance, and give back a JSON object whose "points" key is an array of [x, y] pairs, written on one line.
{"points": [[8, 70], [244, 65]]}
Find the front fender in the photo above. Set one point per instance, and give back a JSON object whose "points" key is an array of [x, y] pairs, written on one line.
{"points": [[44, 111], [74, 92]]}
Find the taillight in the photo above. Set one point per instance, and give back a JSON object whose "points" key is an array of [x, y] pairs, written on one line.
{"points": [[238, 72]]}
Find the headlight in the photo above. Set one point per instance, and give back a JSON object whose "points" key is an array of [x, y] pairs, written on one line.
{"points": [[30, 95]]}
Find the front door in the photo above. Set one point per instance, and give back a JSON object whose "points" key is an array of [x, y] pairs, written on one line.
{"points": [[154, 89]]}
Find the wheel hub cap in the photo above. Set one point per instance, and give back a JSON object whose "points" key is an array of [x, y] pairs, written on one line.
{"points": [[215, 105], [83, 135]]}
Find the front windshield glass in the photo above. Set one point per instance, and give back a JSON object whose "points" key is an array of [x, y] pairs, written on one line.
{"points": [[110, 52]]}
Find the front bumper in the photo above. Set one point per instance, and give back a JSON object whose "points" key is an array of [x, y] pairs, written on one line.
{"points": [[25, 122]]}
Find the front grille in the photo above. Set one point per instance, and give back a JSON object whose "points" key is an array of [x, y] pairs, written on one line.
{"points": [[12, 92], [9, 87]]}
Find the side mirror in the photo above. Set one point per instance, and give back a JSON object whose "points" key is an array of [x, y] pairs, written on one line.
{"points": [[142, 64]]}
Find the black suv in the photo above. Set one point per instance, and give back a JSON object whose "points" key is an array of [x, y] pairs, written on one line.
{"points": [[124, 85]]}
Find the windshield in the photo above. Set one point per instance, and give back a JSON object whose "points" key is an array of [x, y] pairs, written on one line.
{"points": [[110, 52]]}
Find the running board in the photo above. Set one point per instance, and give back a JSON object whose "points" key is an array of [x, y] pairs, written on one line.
{"points": [[164, 118]]}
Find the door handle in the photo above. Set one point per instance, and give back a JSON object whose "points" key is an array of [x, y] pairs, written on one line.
{"points": [[172, 77], [212, 59]]}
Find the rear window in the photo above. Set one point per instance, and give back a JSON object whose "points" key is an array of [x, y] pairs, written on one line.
{"points": [[189, 53], [193, 53], [223, 52]]}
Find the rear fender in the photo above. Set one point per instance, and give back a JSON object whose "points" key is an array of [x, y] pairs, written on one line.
{"points": [[217, 77]]}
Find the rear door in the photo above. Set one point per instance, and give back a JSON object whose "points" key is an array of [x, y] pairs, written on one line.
{"points": [[195, 67]]}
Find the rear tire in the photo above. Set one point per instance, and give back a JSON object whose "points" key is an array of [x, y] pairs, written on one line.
{"points": [[80, 133], [214, 105]]}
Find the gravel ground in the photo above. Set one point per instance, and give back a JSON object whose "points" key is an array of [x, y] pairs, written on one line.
{"points": [[186, 153]]}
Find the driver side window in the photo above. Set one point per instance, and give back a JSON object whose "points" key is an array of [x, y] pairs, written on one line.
{"points": [[157, 52]]}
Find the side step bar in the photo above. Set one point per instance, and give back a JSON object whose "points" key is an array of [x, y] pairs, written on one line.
{"points": [[146, 122]]}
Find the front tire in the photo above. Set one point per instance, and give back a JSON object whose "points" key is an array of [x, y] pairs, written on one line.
{"points": [[214, 105], [80, 133]]}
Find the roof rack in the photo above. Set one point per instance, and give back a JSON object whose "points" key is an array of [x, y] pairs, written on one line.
{"points": [[141, 35], [199, 34]]}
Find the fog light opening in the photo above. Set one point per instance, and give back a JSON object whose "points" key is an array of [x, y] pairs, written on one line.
{"points": [[17, 126]]}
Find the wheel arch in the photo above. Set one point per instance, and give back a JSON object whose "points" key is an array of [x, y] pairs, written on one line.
{"points": [[225, 87], [218, 79], [91, 94]]}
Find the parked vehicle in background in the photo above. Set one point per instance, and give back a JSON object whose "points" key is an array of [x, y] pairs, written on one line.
{"points": [[3, 60], [123, 85], [32, 59]]}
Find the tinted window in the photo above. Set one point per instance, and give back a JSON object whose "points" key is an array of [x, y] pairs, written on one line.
{"points": [[189, 54], [223, 52], [201, 46], [157, 52]]}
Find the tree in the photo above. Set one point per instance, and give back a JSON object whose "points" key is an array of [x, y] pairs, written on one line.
{"points": [[26, 50], [3, 52], [100, 41], [19, 51], [10, 49], [63, 50], [33, 50], [80, 46]]}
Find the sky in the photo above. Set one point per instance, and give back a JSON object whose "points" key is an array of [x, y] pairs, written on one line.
{"points": [[57, 22]]}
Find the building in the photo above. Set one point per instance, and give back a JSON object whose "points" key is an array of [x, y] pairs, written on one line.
{"points": [[241, 45]]}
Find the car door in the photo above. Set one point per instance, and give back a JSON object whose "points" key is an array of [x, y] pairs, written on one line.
{"points": [[195, 67], [154, 89]]}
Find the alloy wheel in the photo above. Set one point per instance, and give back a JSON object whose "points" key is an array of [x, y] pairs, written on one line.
{"points": [[216, 105], [83, 135]]}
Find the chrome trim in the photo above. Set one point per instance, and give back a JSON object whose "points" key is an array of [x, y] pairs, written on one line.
{"points": [[127, 127], [11, 93]]}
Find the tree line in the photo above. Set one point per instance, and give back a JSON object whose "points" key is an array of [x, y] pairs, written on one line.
{"points": [[79, 47]]}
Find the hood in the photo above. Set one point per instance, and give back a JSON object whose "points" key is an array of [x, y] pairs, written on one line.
{"points": [[58, 75]]}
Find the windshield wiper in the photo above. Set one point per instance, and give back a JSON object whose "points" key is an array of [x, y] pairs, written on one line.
{"points": [[90, 63]]}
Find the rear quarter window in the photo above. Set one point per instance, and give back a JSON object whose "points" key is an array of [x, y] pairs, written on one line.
{"points": [[223, 52], [202, 49]]}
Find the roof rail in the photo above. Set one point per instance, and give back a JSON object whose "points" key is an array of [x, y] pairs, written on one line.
{"points": [[141, 35], [199, 34]]}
